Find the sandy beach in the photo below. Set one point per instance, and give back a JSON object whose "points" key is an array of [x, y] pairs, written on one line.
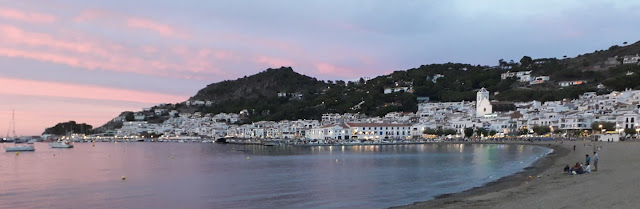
{"points": [[614, 185]]}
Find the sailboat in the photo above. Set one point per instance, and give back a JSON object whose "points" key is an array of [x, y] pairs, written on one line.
{"points": [[16, 148]]}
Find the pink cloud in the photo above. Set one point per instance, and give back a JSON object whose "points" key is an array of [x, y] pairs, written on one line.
{"points": [[76, 91], [99, 54], [116, 20], [158, 27], [330, 69], [274, 62], [88, 15], [32, 17]]}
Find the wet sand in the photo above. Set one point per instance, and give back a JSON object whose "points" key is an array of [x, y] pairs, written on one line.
{"points": [[614, 185]]}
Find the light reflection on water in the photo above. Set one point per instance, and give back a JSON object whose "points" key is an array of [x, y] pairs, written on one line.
{"points": [[193, 175]]}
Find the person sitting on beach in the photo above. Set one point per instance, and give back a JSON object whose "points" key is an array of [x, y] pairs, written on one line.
{"points": [[575, 167], [567, 169], [588, 169], [580, 170]]}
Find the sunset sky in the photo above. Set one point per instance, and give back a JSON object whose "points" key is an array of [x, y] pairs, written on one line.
{"points": [[90, 60]]}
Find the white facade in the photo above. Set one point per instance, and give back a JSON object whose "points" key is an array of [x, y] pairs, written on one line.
{"points": [[631, 59], [539, 79], [523, 76], [397, 89], [483, 105], [608, 137], [379, 131]]}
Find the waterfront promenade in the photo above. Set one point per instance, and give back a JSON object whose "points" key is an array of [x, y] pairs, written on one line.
{"points": [[614, 185]]}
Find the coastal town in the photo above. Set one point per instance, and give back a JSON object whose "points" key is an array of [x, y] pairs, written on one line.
{"points": [[602, 115], [466, 120]]}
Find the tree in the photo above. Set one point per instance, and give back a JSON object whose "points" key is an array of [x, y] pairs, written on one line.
{"points": [[629, 131], [468, 132], [430, 131], [129, 116], [493, 133], [523, 131], [449, 131], [526, 61], [482, 132], [541, 130], [599, 126], [502, 63]]}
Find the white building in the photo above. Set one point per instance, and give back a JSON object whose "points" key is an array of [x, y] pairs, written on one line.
{"points": [[328, 132], [539, 80], [379, 131], [571, 83], [608, 137], [483, 105], [631, 59], [397, 89], [523, 76]]}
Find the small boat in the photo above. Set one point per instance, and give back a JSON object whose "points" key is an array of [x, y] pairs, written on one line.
{"points": [[20, 149], [61, 144], [221, 140], [32, 141], [14, 139], [271, 144]]}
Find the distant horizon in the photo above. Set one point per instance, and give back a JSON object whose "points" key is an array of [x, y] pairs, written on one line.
{"points": [[88, 61]]}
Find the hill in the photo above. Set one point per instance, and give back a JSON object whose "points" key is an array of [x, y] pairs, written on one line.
{"points": [[282, 93], [69, 127]]}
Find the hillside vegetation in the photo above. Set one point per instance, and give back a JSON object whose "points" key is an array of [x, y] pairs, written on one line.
{"points": [[282, 93]]}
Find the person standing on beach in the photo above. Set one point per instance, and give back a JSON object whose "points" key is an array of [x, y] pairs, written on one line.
{"points": [[595, 161], [588, 160], [574, 147]]}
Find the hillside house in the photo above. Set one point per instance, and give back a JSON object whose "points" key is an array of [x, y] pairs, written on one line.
{"points": [[435, 77], [571, 83], [630, 59], [523, 76], [391, 90], [539, 80], [612, 61]]}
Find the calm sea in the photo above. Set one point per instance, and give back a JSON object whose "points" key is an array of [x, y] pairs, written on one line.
{"points": [[196, 175]]}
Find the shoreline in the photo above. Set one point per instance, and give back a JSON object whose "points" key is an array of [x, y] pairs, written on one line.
{"points": [[541, 165]]}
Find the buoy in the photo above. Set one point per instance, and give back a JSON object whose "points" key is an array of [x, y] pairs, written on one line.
{"points": [[17, 153], [336, 160], [172, 157], [124, 178], [248, 158]]}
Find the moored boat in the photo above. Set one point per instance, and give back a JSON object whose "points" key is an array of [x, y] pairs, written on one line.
{"points": [[20, 149], [61, 144], [16, 148]]}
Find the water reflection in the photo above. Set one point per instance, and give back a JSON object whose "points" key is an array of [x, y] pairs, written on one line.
{"points": [[189, 175]]}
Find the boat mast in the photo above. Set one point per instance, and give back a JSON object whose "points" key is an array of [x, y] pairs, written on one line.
{"points": [[13, 120]]}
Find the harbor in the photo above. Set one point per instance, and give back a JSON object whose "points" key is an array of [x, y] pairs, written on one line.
{"points": [[206, 175]]}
